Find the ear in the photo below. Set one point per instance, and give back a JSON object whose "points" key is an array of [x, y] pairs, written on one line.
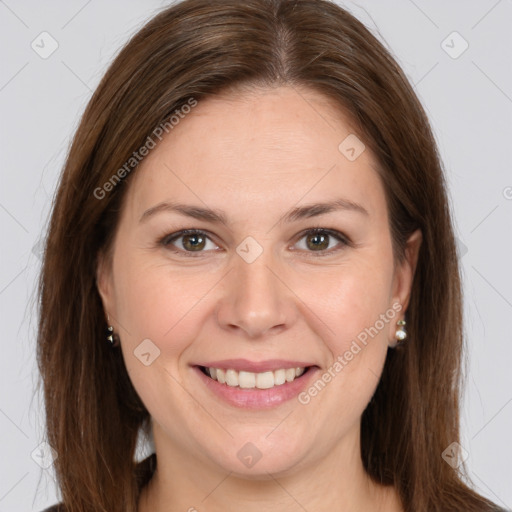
{"points": [[403, 278], [104, 284]]}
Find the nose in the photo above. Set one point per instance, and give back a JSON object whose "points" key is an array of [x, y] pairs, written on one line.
{"points": [[255, 299]]}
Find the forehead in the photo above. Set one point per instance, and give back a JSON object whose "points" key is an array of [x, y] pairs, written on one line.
{"points": [[265, 147]]}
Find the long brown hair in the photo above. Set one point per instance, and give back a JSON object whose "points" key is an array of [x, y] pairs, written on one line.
{"points": [[196, 49]]}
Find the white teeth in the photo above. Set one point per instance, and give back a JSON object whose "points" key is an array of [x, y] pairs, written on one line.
{"points": [[231, 378], [290, 374], [265, 380], [221, 375], [246, 380], [250, 380], [279, 377]]}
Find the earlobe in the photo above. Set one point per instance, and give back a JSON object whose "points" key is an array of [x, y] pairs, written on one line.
{"points": [[402, 287], [103, 282], [404, 273], [105, 290], [412, 251]]}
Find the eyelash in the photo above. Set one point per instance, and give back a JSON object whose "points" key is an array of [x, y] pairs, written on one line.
{"points": [[166, 241]]}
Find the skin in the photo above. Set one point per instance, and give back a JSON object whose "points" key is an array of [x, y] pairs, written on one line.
{"points": [[255, 156]]}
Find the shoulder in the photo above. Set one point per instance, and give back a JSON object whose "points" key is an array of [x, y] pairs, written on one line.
{"points": [[145, 470]]}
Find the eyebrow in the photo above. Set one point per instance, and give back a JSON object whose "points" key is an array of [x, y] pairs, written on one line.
{"points": [[219, 217]]}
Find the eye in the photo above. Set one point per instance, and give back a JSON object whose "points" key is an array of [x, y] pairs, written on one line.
{"points": [[193, 242], [319, 240], [189, 241]]}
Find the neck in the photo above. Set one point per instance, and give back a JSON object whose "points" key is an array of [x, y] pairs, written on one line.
{"points": [[336, 482]]}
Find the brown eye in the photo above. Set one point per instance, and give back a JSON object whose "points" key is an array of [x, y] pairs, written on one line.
{"points": [[194, 242], [188, 241], [322, 241], [317, 241]]}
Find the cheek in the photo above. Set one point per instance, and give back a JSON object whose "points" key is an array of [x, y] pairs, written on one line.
{"points": [[353, 304], [157, 311], [348, 300], [154, 303]]}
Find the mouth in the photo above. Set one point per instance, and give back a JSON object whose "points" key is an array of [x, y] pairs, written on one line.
{"points": [[254, 380], [250, 385]]}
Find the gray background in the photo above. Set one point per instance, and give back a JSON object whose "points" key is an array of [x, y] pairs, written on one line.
{"points": [[468, 99]]}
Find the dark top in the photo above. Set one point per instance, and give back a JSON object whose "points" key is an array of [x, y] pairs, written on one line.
{"points": [[58, 508], [144, 471]]}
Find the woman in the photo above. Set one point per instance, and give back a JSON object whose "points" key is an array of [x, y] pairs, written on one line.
{"points": [[251, 257]]}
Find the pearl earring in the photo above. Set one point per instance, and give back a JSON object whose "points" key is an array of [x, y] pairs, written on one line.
{"points": [[112, 339], [401, 333]]}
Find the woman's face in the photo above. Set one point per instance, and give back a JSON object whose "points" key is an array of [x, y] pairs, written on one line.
{"points": [[252, 291]]}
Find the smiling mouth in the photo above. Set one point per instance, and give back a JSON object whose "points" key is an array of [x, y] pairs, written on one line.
{"points": [[253, 380]]}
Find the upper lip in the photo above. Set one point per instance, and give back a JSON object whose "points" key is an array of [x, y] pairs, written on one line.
{"points": [[255, 366]]}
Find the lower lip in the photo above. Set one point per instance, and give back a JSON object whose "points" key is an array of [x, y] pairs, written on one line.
{"points": [[257, 398]]}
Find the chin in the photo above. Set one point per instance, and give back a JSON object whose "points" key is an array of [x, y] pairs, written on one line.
{"points": [[263, 452]]}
